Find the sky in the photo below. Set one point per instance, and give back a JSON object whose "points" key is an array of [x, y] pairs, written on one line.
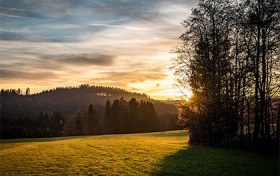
{"points": [[120, 43]]}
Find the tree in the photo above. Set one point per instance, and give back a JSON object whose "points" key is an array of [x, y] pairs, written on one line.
{"points": [[116, 116], [57, 123], [208, 33], [108, 117], [92, 120], [230, 60], [78, 125], [152, 123], [263, 28], [19, 91], [27, 91], [132, 114]]}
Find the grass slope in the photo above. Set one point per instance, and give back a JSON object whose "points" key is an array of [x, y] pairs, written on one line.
{"points": [[163, 153]]}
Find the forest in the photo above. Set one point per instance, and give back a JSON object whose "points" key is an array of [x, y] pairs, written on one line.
{"points": [[83, 110], [229, 58]]}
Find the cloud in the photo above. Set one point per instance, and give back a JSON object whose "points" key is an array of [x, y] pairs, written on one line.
{"points": [[132, 75], [57, 62], [33, 37], [81, 59], [5, 35], [117, 26], [10, 16], [76, 20], [15, 74], [104, 42], [8, 10]]}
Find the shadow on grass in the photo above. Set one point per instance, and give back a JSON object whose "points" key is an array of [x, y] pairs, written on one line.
{"points": [[199, 160]]}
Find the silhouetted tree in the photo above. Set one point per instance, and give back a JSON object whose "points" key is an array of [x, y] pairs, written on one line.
{"points": [[27, 91], [230, 60], [79, 127], [92, 120], [108, 117], [133, 111]]}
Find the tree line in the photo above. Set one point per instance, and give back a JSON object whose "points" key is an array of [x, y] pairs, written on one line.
{"points": [[23, 115], [229, 58], [69, 100], [43, 125], [121, 116]]}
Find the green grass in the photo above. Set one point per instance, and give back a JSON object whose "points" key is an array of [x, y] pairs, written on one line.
{"points": [[164, 153]]}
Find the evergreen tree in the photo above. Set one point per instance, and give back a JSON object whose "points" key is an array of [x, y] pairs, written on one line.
{"points": [[27, 91], [133, 111], [108, 117], [92, 120], [78, 124]]}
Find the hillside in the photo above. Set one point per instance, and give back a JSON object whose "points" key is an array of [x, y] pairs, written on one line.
{"points": [[64, 111], [71, 99], [162, 153]]}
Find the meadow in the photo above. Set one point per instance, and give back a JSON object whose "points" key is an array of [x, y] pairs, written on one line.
{"points": [[160, 153]]}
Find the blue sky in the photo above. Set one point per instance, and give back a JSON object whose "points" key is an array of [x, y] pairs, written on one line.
{"points": [[125, 43]]}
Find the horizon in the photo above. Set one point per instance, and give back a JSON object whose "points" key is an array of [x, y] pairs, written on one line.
{"points": [[23, 92], [123, 44]]}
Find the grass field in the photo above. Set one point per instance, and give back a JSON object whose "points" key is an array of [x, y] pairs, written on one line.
{"points": [[163, 153]]}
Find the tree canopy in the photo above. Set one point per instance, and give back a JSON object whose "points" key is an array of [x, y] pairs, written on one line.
{"points": [[229, 58]]}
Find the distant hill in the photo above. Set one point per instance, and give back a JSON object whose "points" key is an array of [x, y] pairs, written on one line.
{"points": [[69, 101]]}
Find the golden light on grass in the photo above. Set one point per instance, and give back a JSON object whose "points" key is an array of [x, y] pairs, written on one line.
{"points": [[101, 155], [161, 153]]}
